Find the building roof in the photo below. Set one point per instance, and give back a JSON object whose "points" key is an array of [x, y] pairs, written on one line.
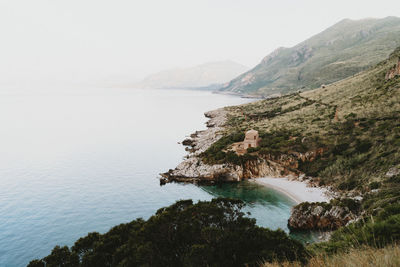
{"points": [[252, 132]]}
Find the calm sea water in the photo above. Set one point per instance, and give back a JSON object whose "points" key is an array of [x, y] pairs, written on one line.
{"points": [[77, 161]]}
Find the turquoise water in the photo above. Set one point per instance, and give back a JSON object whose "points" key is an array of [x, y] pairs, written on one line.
{"points": [[77, 161]]}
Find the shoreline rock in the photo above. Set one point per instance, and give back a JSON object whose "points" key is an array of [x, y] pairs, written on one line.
{"points": [[192, 169], [320, 216]]}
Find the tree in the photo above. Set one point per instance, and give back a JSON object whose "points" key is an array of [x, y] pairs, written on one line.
{"points": [[208, 233]]}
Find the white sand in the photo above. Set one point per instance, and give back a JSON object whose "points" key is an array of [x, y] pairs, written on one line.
{"points": [[296, 190]]}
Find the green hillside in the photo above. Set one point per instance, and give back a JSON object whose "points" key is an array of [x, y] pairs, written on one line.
{"points": [[355, 123], [342, 50]]}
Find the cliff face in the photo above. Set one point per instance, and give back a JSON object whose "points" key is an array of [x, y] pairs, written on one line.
{"points": [[319, 216], [393, 71], [193, 170]]}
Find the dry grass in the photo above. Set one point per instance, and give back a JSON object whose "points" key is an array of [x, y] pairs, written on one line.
{"points": [[367, 257]]}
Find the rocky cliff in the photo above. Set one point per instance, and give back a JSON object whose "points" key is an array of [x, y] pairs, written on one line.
{"points": [[321, 216], [390, 74]]}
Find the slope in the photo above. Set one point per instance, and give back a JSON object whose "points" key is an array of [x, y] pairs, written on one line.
{"points": [[340, 51]]}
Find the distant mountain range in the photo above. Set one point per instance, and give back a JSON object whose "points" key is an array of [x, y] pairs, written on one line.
{"points": [[208, 76], [340, 51]]}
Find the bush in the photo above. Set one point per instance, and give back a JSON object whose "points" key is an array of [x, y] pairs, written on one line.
{"points": [[374, 185], [253, 149]]}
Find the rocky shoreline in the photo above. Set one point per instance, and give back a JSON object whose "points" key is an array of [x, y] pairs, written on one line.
{"points": [[193, 170]]}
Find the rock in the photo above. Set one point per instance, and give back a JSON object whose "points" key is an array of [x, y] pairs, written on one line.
{"points": [[358, 198], [187, 142], [319, 216], [302, 54], [393, 172], [194, 169], [390, 74]]}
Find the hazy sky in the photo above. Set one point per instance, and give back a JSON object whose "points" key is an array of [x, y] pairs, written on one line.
{"points": [[124, 40]]}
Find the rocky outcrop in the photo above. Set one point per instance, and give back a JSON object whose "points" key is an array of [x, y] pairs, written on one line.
{"points": [[319, 216], [393, 171], [187, 142], [194, 170], [390, 74], [301, 54]]}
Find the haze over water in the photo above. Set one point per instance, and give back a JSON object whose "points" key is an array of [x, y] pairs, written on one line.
{"points": [[77, 161]]}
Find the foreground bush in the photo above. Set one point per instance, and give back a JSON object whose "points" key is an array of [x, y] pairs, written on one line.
{"points": [[214, 233]]}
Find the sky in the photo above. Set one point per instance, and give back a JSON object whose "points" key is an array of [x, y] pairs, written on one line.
{"points": [[122, 41]]}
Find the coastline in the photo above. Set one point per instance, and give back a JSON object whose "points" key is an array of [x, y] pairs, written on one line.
{"points": [[297, 190], [192, 169]]}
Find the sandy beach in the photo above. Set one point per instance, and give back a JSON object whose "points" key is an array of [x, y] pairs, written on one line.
{"points": [[296, 190]]}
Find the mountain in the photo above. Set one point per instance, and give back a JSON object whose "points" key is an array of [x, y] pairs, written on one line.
{"points": [[340, 51], [206, 75]]}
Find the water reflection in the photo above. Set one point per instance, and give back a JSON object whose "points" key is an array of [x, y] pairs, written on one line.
{"points": [[270, 207]]}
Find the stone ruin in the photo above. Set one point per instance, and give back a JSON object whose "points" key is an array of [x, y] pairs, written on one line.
{"points": [[251, 139]]}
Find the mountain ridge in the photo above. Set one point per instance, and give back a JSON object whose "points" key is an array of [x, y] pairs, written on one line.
{"points": [[340, 51]]}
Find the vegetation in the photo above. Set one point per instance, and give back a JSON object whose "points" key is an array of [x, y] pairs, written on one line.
{"points": [[379, 228], [341, 51], [364, 256], [356, 124], [215, 233]]}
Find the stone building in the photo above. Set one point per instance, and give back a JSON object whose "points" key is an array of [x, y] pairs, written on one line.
{"points": [[251, 139]]}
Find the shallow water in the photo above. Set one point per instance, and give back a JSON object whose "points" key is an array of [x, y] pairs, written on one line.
{"points": [[76, 161]]}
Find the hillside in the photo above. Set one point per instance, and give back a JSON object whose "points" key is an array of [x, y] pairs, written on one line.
{"points": [[352, 127], [210, 75], [345, 136], [340, 51]]}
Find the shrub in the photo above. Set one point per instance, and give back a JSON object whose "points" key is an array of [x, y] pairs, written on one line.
{"points": [[374, 185]]}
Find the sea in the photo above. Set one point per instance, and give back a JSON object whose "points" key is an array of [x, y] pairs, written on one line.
{"points": [[80, 160]]}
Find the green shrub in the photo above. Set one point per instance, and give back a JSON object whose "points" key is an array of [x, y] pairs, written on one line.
{"points": [[374, 185]]}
